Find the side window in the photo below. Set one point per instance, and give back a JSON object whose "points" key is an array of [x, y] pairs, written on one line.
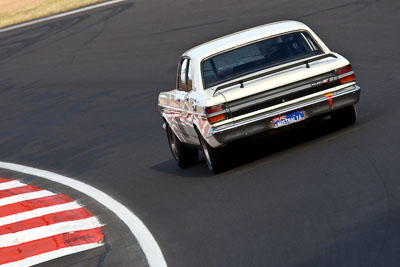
{"points": [[183, 75], [189, 86]]}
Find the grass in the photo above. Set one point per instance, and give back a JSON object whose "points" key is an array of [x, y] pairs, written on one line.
{"points": [[39, 9]]}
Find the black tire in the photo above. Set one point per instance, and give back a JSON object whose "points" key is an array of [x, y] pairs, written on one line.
{"points": [[345, 116], [213, 156], [184, 156]]}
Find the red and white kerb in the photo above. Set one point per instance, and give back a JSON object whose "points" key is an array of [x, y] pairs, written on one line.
{"points": [[37, 225]]}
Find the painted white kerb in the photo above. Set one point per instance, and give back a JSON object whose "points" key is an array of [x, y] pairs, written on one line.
{"points": [[145, 239]]}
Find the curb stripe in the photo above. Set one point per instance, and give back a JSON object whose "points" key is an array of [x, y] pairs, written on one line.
{"points": [[34, 222], [145, 239], [3, 180], [25, 197], [29, 249], [38, 212], [52, 255], [29, 235], [49, 219], [10, 184], [33, 204], [18, 190]]}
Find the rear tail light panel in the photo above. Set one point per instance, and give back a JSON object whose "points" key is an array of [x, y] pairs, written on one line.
{"points": [[216, 113], [346, 74]]}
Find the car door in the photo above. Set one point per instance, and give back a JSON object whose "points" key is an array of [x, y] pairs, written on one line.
{"points": [[187, 102], [180, 101], [189, 105]]}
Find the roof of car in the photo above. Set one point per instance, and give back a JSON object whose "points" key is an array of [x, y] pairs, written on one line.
{"points": [[239, 38]]}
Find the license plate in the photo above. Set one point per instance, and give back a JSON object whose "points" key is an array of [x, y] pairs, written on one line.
{"points": [[288, 118]]}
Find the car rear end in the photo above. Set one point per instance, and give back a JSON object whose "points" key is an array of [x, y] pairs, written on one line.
{"points": [[288, 89]]}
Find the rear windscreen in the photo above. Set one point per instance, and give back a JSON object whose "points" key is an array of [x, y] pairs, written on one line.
{"points": [[257, 56]]}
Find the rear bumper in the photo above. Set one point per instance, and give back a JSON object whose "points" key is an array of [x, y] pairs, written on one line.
{"points": [[260, 123]]}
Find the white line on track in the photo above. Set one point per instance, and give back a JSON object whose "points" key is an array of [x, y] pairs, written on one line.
{"points": [[26, 196], [51, 255], [145, 239], [11, 184], [68, 13], [17, 238], [38, 212]]}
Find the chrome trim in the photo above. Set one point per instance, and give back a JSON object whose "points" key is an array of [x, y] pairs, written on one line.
{"points": [[285, 110], [181, 110], [346, 74], [217, 113]]}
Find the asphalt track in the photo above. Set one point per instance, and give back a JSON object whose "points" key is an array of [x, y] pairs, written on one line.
{"points": [[78, 97]]}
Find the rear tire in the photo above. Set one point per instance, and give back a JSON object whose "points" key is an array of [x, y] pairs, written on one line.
{"points": [[184, 156], [213, 156], [345, 116]]}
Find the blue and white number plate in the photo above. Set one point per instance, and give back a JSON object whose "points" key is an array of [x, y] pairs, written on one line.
{"points": [[288, 118]]}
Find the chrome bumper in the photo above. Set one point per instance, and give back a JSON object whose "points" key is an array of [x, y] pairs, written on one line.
{"points": [[260, 123]]}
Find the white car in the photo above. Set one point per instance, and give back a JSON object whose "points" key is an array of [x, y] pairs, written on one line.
{"points": [[250, 82]]}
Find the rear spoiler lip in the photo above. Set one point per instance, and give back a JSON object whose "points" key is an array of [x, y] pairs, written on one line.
{"points": [[303, 62]]}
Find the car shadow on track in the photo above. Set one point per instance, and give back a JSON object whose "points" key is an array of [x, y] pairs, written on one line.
{"points": [[259, 146], [196, 171], [266, 144]]}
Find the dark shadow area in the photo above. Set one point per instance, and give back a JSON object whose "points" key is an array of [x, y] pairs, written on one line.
{"points": [[259, 146], [197, 171], [266, 144]]}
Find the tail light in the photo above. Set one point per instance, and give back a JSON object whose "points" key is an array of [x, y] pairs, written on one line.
{"points": [[346, 74], [216, 113]]}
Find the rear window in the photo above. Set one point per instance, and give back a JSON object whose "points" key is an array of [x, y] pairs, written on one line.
{"points": [[257, 56]]}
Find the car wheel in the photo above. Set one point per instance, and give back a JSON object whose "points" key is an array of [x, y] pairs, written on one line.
{"points": [[345, 116], [212, 156], [184, 156]]}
